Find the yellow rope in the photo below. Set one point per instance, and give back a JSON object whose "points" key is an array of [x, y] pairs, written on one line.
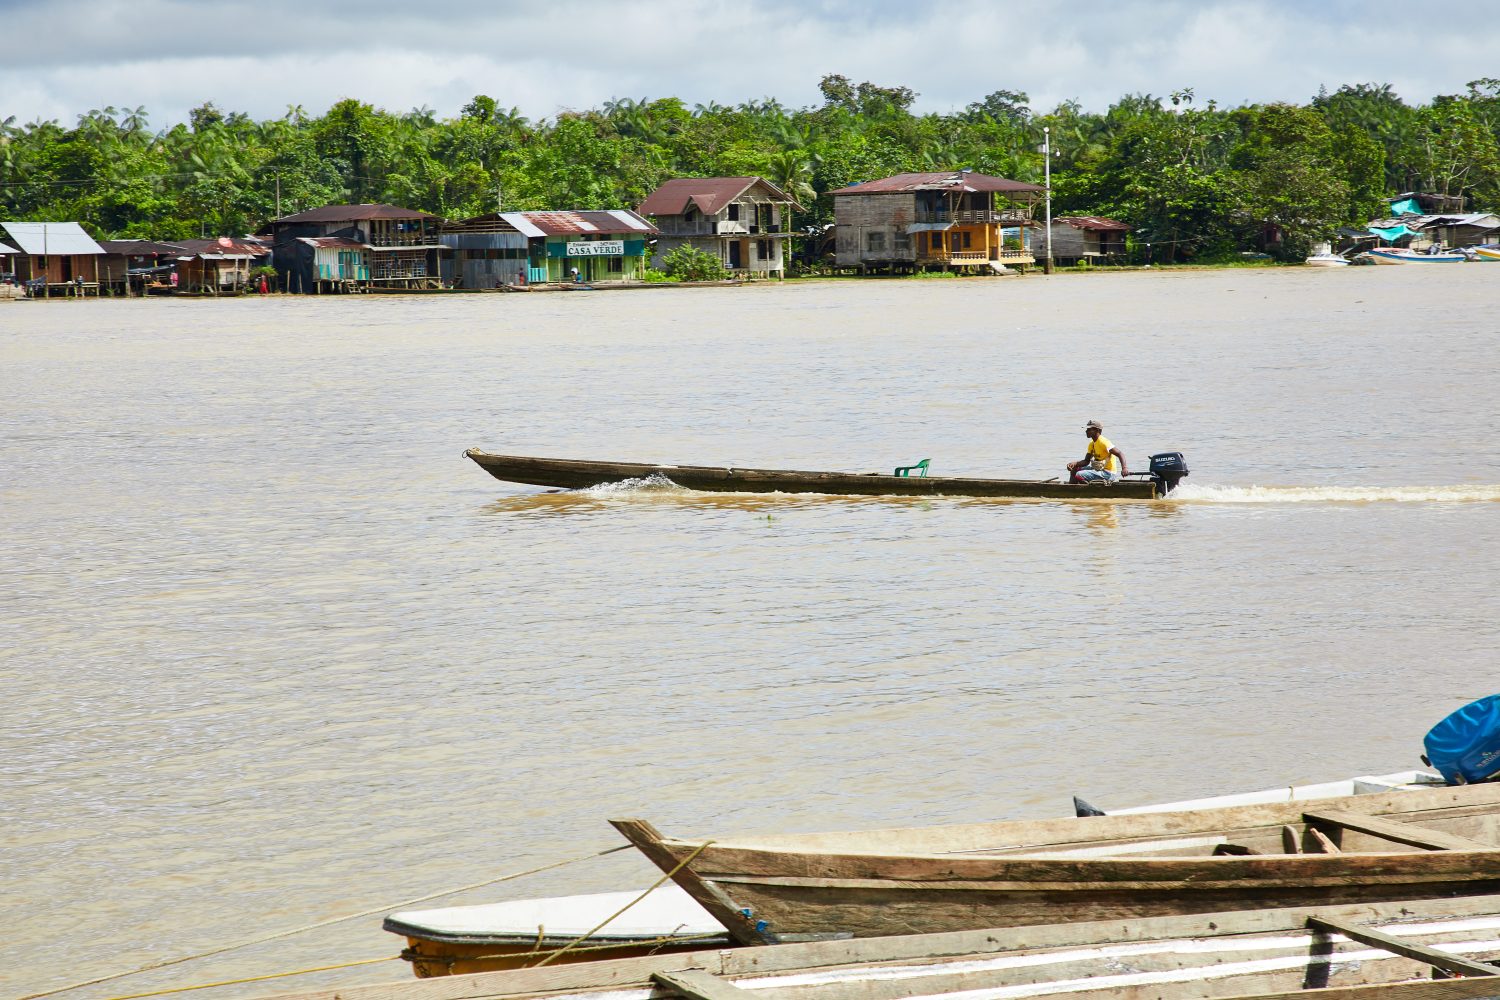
{"points": [[323, 923], [590, 932], [256, 979]]}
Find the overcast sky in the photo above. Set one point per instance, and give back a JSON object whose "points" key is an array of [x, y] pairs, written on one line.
{"points": [[59, 58]]}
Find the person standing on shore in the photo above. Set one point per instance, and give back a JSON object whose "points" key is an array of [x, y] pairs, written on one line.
{"points": [[1102, 462]]}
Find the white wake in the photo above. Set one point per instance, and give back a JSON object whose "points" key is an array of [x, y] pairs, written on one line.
{"points": [[1337, 494]]}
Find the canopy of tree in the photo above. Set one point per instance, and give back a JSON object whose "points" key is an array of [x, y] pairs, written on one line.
{"points": [[1194, 180]]}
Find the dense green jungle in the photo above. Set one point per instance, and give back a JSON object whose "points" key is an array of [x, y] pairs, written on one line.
{"points": [[1198, 181]]}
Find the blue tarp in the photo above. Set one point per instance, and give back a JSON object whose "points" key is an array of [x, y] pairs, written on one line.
{"points": [[1393, 233], [1407, 207]]}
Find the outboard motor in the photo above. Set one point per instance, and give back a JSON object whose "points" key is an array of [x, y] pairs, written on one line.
{"points": [[1465, 747], [1167, 470]]}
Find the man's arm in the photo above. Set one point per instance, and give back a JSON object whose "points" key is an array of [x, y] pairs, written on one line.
{"points": [[1124, 465]]}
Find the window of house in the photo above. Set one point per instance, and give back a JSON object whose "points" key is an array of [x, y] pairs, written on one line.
{"points": [[968, 239], [902, 242], [734, 212], [616, 265], [875, 242], [765, 249]]}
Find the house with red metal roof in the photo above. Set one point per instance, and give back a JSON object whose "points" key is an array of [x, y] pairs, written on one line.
{"points": [[1091, 238], [517, 249], [381, 246], [744, 221], [949, 220]]}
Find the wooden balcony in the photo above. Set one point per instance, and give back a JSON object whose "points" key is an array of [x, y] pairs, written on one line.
{"points": [[975, 217]]}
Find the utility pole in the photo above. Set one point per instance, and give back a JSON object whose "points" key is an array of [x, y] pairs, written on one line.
{"points": [[1047, 174], [278, 196], [499, 198]]}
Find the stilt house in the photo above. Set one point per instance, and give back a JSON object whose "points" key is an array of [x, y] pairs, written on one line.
{"points": [[216, 266], [950, 220], [54, 257], [743, 221], [534, 248], [384, 246], [131, 266], [1092, 238]]}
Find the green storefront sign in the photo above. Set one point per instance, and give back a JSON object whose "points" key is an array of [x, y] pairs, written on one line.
{"points": [[597, 248]]}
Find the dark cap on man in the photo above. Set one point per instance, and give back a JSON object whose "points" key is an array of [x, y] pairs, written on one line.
{"points": [[1093, 425]]}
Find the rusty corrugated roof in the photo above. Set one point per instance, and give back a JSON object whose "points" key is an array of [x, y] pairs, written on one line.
{"points": [[141, 248], [708, 193], [224, 245], [945, 180], [353, 213], [1097, 222], [612, 222]]}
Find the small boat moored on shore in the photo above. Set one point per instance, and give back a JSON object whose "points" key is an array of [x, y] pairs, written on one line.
{"points": [[1166, 470], [1401, 255], [1323, 256], [511, 935]]}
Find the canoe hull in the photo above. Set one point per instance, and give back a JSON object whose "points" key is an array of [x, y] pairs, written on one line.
{"points": [[1096, 868], [569, 474]]}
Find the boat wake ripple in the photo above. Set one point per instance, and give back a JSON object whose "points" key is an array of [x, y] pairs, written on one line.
{"points": [[1337, 494], [655, 483]]}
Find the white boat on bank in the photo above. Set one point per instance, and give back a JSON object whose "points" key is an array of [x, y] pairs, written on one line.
{"points": [[520, 933], [1323, 256], [1401, 255]]}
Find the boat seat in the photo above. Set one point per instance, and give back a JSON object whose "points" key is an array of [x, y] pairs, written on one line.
{"points": [[906, 470]]}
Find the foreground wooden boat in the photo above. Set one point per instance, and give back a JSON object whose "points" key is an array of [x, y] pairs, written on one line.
{"points": [[570, 474], [520, 933], [1395, 845], [1384, 951]]}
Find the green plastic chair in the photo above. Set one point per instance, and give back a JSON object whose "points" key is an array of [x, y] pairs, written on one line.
{"points": [[906, 470]]}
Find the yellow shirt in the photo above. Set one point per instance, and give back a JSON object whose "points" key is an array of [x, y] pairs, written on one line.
{"points": [[1098, 451]]}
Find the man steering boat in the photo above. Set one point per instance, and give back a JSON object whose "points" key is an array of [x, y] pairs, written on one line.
{"points": [[1102, 462]]}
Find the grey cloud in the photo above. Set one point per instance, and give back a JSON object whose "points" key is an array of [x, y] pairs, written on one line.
{"points": [[170, 55]]}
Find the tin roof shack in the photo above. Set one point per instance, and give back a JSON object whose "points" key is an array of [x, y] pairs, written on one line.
{"points": [[216, 267], [948, 219], [1469, 230], [55, 258], [1090, 238], [743, 221], [601, 246], [131, 267], [334, 263], [1419, 232], [401, 245], [484, 252]]}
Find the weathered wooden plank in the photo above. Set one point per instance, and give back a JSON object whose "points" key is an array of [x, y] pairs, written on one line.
{"points": [[1326, 845], [695, 984], [1401, 833], [1432, 956], [1443, 989]]}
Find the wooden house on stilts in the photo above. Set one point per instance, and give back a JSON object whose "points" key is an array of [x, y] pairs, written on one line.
{"points": [[948, 220]]}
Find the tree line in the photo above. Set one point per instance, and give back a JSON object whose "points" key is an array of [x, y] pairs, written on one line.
{"points": [[1195, 180]]}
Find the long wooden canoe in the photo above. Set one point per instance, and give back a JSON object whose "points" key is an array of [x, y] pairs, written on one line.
{"points": [[572, 474], [1382, 951], [1395, 845]]}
